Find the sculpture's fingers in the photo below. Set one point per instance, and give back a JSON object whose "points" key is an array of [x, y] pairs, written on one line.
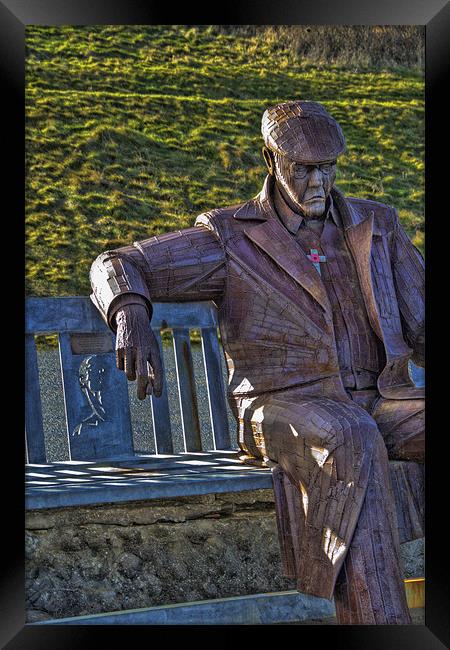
{"points": [[129, 364], [142, 386], [156, 364], [149, 389], [143, 379], [119, 358]]}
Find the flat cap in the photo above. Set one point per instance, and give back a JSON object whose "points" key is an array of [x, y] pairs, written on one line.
{"points": [[303, 131]]}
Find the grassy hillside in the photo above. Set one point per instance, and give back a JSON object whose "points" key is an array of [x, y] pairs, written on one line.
{"points": [[134, 130]]}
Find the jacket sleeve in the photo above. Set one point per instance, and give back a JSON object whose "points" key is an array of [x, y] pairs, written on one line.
{"points": [[178, 266], [409, 278]]}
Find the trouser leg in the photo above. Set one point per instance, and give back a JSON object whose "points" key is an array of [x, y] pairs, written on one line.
{"points": [[324, 449], [335, 458], [370, 588], [402, 425]]}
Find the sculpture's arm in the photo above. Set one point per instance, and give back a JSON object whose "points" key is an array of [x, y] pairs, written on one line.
{"points": [[184, 265], [179, 266], [409, 278]]}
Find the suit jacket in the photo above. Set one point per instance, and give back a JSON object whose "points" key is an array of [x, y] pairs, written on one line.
{"points": [[274, 315]]}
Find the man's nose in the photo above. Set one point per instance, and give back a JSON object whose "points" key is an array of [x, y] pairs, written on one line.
{"points": [[315, 178]]}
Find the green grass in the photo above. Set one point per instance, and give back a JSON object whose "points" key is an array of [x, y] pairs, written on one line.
{"points": [[134, 130]]}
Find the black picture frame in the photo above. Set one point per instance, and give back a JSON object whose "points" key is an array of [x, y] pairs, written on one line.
{"points": [[14, 16]]}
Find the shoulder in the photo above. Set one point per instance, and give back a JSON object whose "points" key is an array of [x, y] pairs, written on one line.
{"points": [[385, 216], [219, 218]]}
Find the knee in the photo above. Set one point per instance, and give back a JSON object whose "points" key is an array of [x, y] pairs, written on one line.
{"points": [[360, 430]]}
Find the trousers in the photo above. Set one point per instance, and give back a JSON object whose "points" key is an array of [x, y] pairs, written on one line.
{"points": [[335, 456]]}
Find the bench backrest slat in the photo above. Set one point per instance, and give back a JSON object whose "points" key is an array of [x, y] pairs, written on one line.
{"points": [[216, 390], [162, 430], [95, 398], [64, 314], [98, 423], [186, 390], [35, 443]]}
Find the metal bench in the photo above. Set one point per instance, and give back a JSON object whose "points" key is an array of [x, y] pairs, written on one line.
{"points": [[87, 356], [103, 466]]}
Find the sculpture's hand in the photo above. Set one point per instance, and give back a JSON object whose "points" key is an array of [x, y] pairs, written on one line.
{"points": [[137, 350]]}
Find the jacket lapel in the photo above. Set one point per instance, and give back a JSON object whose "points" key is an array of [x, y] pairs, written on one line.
{"points": [[271, 237], [358, 232]]}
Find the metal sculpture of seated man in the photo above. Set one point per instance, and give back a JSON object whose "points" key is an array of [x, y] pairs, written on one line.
{"points": [[320, 306]]}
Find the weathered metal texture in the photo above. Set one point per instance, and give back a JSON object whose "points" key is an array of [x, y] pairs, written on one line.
{"points": [[34, 432], [277, 317], [303, 131], [186, 390], [216, 389], [408, 485], [367, 551], [162, 429], [287, 535], [370, 587], [360, 352], [282, 607], [96, 404], [187, 265], [115, 278]]}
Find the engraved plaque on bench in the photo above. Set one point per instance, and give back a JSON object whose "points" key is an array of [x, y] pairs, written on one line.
{"points": [[95, 395], [97, 343]]}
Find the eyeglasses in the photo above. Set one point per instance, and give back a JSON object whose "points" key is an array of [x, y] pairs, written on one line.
{"points": [[300, 171]]}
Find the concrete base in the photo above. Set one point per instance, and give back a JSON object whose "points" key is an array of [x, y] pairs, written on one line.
{"points": [[282, 607], [90, 560]]}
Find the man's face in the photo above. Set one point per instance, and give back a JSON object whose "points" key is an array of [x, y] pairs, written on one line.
{"points": [[306, 187]]}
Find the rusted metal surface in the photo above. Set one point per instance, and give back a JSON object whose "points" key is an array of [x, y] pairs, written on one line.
{"points": [[415, 592]]}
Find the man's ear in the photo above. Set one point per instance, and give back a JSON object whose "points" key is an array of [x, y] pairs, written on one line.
{"points": [[268, 158]]}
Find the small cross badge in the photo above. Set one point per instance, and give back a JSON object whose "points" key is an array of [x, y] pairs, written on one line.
{"points": [[316, 258]]}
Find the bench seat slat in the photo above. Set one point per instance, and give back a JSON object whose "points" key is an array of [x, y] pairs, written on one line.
{"points": [[93, 492]]}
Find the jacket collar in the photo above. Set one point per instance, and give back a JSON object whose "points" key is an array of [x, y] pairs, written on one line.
{"points": [[268, 233], [359, 229], [293, 220], [261, 207]]}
